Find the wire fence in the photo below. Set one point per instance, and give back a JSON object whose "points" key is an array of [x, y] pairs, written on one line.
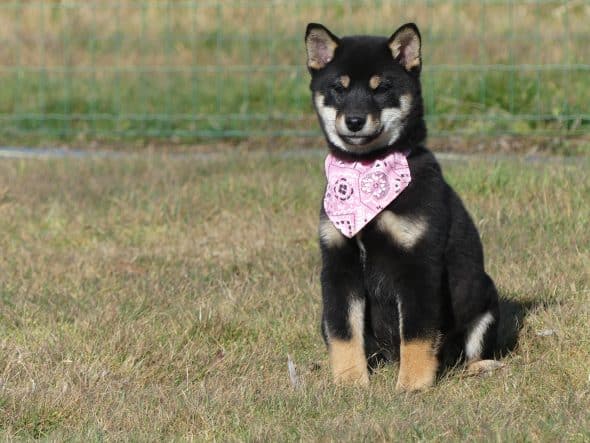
{"points": [[204, 68]]}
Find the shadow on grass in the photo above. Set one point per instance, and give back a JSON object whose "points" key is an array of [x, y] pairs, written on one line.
{"points": [[512, 315]]}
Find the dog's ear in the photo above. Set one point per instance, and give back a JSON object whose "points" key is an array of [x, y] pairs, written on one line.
{"points": [[320, 44], [405, 47]]}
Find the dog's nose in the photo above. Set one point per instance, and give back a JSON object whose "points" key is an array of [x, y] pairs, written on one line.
{"points": [[355, 123]]}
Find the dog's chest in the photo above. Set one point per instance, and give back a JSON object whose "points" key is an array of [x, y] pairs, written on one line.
{"points": [[384, 244], [362, 250], [393, 231], [376, 257]]}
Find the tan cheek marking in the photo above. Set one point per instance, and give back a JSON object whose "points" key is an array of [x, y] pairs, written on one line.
{"points": [[345, 81], [374, 82], [347, 357], [372, 123], [329, 235], [405, 231], [418, 365], [406, 102], [340, 122]]}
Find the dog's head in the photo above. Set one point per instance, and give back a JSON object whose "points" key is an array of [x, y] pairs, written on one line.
{"points": [[365, 89]]}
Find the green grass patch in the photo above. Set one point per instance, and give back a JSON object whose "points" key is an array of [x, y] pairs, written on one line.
{"points": [[137, 105], [197, 70]]}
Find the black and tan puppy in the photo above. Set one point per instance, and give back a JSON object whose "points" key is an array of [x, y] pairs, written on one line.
{"points": [[411, 284]]}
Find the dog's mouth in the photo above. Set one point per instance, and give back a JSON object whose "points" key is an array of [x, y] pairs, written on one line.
{"points": [[359, 140]]}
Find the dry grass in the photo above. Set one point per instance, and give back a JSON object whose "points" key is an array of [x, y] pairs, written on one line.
{"points": [[155, 297], [167, 33]]}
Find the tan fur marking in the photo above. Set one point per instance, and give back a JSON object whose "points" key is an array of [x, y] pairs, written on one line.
{"points": [[405, 231], [347, 357], [374, 82], [348, 362], [329, 235], [345, 81], [418, 365]]}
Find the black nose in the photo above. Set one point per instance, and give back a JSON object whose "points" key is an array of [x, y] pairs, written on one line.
{"points": [[355, 123]]}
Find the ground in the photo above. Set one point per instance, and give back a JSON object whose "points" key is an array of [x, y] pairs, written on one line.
{"points": [[157, 296]]}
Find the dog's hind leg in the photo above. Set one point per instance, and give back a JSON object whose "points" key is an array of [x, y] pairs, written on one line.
{"points": [[480, 337], [481, 333]]}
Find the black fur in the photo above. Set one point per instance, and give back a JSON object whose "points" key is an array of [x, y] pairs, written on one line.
{"points": [[440, 281]]}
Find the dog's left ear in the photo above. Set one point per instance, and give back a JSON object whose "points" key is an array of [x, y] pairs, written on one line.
{"points": [[405, 47]]}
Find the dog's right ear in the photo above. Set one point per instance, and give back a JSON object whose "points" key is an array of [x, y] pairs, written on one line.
{"points": [[320, 44]]}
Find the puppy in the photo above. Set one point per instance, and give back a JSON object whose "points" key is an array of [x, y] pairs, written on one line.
{"points": [[402, 263]]}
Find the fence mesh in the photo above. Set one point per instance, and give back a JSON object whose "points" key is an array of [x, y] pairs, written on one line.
{"points": [[205, 68]]}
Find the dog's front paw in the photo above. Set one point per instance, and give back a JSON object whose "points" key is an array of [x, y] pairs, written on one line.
{"points": [[414, 382], [348, 362], [418, 366], [354, 376]]}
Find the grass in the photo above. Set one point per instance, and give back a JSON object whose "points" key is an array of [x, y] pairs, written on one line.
{"points": [[198, 69], [155, 297]]}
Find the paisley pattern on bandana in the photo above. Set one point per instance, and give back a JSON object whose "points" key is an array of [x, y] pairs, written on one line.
{"points": [[358, 191]]}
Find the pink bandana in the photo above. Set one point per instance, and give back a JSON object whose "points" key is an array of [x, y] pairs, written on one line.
{"points": [[358, 191]]}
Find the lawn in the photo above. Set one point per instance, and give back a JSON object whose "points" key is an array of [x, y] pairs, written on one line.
{"points": [[157, 297]]}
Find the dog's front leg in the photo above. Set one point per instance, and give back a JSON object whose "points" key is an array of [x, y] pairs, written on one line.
{"points": [[419, 302], [343, 297]]}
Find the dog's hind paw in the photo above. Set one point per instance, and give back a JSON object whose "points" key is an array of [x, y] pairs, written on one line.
{"points": [[482, 367]]}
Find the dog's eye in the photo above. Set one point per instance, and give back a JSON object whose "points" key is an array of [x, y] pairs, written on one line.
{"points": [[338, 88], [383, 87]]}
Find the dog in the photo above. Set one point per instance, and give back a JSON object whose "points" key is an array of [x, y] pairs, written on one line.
{"points": [[402, 272]]}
